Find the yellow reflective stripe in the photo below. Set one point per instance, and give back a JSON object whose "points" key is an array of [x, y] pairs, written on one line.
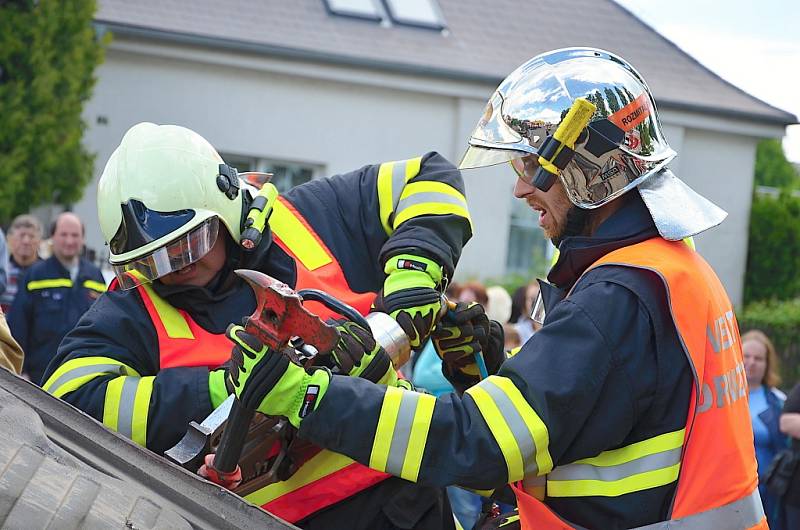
{"points": [[126, 406], [297, 238], [421, 424], [500, 430], [431, 196], [392, 178], [642, 465], [431, 208], [174, 323], [383, 434], [77, 372], [48, 284], [403, 425], [141, 409], [512, 352], [521, 435], [385, 195], [601, 488], [425, 186], [535, 425], [111, 403], [320, 465], [100, 287], [657, 444]]}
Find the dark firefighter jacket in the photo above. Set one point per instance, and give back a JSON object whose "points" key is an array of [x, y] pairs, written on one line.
{"points": [[360, 217], [605, 372], [48, 305]]}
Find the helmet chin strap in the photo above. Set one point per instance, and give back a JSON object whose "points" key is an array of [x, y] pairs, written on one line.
{"points": [[576, 224]]}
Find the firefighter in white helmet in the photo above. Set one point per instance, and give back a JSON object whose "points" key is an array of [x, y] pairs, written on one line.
{"points": [[146, 360]]}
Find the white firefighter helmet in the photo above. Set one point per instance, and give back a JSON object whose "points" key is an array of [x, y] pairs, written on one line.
{"points": [[160, 200], [622, 146]]}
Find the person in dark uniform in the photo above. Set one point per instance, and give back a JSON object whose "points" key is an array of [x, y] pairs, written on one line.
{"points": [[146, 359], [628, 408], [53, 295]]}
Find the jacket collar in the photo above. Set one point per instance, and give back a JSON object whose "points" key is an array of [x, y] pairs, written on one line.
{"points": [[629, 225]]}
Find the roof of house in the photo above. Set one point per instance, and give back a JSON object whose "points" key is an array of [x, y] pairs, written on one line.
{"points": [[484, 41]]}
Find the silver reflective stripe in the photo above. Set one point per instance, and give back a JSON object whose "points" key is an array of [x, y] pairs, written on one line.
{"points": [[75, 373], [611, 473], [738, 515], [398, 182], [402, 433], [512, 417], [427, 197], [126, 400]]}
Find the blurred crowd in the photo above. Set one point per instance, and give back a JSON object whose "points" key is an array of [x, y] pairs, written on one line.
{"points": [[46, 284]]}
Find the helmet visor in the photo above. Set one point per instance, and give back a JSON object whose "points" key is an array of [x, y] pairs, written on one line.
{"points": [[477, 157], [172, 257]]}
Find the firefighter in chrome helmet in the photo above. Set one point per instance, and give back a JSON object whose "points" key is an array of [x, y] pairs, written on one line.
{"points": [[628, 408], [150, 356]]}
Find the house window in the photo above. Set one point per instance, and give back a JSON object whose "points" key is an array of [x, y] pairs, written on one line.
{"points": [[286, 175], [529, 252], [366, 9], [423, 13], [419, 13]]}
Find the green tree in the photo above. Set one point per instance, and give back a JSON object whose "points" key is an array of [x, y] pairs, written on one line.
{"points": [[772, 168], [773, 254], [48, 55]]}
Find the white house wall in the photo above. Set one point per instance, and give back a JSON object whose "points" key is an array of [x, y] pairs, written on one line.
{"points": [[340, 118]]}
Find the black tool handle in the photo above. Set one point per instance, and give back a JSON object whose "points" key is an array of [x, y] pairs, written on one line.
{"points": [[334, 304], [233, 438]]}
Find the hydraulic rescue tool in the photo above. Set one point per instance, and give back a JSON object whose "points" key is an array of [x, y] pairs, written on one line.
{"points": [[253, 450]]}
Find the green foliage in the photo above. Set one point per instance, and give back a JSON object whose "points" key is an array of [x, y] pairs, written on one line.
{"points": [[773, 254], [48, 54], [772, 168], [781, 322]]}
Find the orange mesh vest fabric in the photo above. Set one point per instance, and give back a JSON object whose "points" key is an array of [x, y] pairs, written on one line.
{"points": [[328, 277], [327, 478], [718, 465]]}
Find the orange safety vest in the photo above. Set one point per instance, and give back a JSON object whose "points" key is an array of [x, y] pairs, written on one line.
{"points": [[326, 478], [718, 482]]}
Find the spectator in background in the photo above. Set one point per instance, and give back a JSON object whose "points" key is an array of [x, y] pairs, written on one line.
{"points": [[24, 238], [53, 295], [472, 291], [522, 306], [766, 403], [790, 426], [498, 304]]}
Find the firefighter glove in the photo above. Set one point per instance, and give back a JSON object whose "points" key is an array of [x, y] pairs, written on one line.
{"points": [[358, 355], [410, 295], [463, 332], [266, 380]]}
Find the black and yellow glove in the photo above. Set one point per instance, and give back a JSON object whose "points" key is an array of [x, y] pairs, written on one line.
{"points": [[358, 355], [268, 382], [410, 295], [463, 332]]}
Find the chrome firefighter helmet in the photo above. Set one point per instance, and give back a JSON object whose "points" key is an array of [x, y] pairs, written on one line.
{"points": [[620, 148], [161, 199]]}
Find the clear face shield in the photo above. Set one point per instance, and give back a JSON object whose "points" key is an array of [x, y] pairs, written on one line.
{"points": [[173, 256]]}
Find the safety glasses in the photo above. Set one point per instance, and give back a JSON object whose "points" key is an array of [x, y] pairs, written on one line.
{"points": [[172, 257]]}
